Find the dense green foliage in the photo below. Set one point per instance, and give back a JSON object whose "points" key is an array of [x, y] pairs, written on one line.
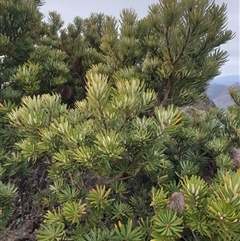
{"points": [[127, 162]]}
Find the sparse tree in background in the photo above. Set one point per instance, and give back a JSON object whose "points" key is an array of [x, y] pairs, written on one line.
{"points": [[107, 168], [20, 28]]}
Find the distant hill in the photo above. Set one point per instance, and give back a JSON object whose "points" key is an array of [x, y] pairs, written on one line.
{"points": [[218, 93], [226, 80], [215, 91]]}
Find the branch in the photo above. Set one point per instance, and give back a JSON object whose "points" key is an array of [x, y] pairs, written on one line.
{"points": [[194, 236], [184, 47], [116, 178], [168, 45], [167, 92]]}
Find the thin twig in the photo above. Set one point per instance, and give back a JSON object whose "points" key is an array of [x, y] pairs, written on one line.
{"points": [[194, 236]]}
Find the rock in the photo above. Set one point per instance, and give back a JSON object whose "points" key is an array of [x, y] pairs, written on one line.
{"points": [[202, 105], [21, 234], [235, 155], [177, 202]]}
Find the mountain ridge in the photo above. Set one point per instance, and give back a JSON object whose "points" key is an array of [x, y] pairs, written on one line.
{"points": [[226, 80], [217, 90]]}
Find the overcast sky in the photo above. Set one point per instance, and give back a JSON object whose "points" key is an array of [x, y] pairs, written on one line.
{"points": [[72, 8]]}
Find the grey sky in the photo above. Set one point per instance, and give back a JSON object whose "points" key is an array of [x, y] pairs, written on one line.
{"points": [[72, 8]]}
